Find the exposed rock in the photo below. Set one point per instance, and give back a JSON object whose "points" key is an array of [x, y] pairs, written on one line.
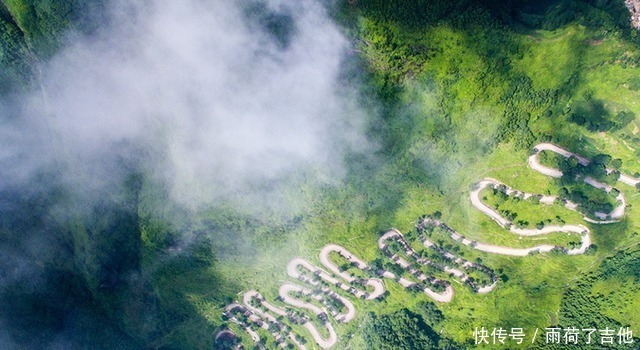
{"points": [[634, 8]]}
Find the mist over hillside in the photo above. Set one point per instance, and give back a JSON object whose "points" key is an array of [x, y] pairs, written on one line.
{"points": [[158, 159], [235, 96], [203, 102]]}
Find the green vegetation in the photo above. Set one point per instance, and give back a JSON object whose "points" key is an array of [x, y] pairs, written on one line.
{"points": [[458, 91], [573, 171], [44, 23], [346, 265], [15, 58], [604, 297], [551, 159], [591, 200], [402, 329], [528, 213], [594, 116], [32, 31]]}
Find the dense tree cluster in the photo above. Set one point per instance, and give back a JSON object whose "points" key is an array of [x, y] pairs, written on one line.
{"points": [[403, 330], [581, 307], [589, 199], [587, 205], [596, 118], [414, 13], [520, 98]]}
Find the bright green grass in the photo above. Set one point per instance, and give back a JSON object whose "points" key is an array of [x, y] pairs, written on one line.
{"points": [[622, 306], [357, 211], [526, 211], [550, 59], [550, 159], [529, 298], [605, 77]]}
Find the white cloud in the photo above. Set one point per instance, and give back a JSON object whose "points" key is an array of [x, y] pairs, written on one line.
{"points": [[210, 98]]}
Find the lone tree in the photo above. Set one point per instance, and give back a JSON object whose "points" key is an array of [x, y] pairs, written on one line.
{"points": [[616, 164], [602, 159]]}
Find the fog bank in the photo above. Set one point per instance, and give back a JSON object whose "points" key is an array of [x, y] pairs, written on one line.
{"points": [[212, 98]]}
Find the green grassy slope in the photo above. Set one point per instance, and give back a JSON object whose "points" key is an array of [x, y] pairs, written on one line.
{"points": [[458, 92], [460, 100], [465, 97]]}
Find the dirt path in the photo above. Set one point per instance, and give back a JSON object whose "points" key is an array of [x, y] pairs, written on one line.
{"points": [[535, 164], [495, 249], [443, 297], [605, 218], [376, 284], [325, 343], [505, 223], [323, 281]]}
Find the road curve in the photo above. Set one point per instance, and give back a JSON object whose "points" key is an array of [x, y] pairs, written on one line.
{"points": [[287, 288], [323, 281], [374, 283], [443, 297], [604, 218], [474, 196]]}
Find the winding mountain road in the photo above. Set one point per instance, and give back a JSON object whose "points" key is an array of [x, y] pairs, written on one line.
{"points": [[474, 196], [323, 281]]}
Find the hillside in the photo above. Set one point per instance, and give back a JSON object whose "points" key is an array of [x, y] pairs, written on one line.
{"points": [[359, 174]]}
